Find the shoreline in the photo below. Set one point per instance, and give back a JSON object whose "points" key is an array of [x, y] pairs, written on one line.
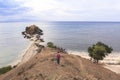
{"points": [[20, 57], [30, 52], [111, 62], [19, 60], [27, 53], [113, 58]]}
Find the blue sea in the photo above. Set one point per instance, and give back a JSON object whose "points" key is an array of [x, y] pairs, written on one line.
{"points": [[74, 36]]}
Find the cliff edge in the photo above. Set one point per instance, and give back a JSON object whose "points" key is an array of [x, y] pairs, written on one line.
{"points": [[43, 66]]}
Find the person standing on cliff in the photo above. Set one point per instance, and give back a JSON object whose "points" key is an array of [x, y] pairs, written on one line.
{"points": [[58, 57]]}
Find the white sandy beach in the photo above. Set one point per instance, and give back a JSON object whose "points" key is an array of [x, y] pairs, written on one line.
{"points": [[111, 61], [31, 51], [26, 54], [20, 56]]}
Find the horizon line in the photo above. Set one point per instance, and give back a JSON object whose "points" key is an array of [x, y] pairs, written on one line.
{"points": [[56, 21]]}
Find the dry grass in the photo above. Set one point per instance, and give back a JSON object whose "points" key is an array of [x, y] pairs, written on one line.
{"points": [[43, 66]]}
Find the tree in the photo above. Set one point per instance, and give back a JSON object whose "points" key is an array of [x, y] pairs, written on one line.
{"points": [[99, 51]]}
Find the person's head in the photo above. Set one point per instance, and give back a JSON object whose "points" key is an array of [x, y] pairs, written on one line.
{"points": [[58, 52]]}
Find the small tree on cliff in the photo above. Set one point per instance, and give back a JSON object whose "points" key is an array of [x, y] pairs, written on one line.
{"points": [[99, 51]]}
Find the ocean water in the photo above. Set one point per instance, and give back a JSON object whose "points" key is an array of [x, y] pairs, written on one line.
{"points": [[73, 36]]}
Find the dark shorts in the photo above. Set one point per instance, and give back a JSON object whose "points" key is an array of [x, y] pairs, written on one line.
{"points": [[58, 60]]}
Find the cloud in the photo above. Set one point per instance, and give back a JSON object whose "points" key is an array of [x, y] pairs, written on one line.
{"points": [[11, 10], [56, 10]]}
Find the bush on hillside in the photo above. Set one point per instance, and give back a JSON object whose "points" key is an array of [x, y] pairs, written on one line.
{"points": [[51, 45], [5, 69]]}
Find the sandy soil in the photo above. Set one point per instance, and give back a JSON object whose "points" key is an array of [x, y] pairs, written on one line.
{"points": [[114, 68], [111, 61], [43, 66], [29, 53]]}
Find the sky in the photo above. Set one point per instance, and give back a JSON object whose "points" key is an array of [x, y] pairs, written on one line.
{"points": [[59, 10]]}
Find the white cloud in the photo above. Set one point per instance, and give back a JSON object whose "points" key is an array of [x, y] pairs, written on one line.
{"points": [[88, 10]]}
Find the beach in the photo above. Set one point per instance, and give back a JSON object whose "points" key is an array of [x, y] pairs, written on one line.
{"points": [[27, 53], [111, 62]]}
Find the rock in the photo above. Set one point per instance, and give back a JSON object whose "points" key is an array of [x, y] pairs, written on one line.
{"points": [[33, 29]]}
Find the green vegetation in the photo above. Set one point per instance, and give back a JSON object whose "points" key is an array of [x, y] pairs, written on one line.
{"points": [[99, 51], [5, 69], [51, 45]]}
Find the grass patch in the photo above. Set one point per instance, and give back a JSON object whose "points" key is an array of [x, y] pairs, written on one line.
{"points": [[51, 45], [5, 69]]}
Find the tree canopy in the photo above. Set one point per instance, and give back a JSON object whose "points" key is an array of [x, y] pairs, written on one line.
{"points": [[99, 51]]}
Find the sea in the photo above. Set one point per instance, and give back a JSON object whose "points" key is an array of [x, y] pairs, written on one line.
{"points": [[74, 36]]}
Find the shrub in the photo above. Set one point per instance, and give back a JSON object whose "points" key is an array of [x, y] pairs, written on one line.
{"points": [[50, 44], [5, 69]]}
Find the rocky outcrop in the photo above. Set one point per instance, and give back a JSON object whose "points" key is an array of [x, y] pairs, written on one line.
{"points": [[33, 31]]}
